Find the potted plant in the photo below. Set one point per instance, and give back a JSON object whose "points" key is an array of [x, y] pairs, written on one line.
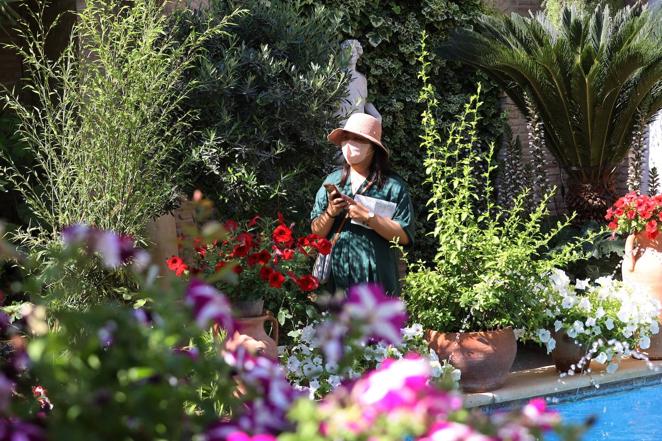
{"points": [[482, 283], [602, 321], [593, 80], [251, 262]]}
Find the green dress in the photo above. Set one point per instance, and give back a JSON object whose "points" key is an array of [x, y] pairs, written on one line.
{"points": [[362, 255]]}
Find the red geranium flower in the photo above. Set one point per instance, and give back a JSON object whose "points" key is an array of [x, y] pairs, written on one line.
{"points": [[323, 246], [276, 279], [231, 225], [265, 273], [282, 234], [174, 262], [613, 225], [308, 283], [253, 221], [288, 254], [246, 239], [240, 251]]}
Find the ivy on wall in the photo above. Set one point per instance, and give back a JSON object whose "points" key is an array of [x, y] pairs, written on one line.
{"points": [[390, 33]]}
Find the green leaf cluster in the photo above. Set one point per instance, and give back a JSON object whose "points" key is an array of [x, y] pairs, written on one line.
{"points": [[590, 78], [269, 91], [488, 261]]}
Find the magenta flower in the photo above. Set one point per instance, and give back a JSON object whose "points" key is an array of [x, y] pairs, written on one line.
{"points": [[396, 383], [12, 429], [380, 317], [209, 305], [114, 249], [240, 436], [536, 414], [274, 396], [449, 431], [330, 336]]}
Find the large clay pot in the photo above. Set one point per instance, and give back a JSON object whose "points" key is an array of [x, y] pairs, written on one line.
{"points": [[567, 353], [642, 266], [251, 335], [483, 358]]}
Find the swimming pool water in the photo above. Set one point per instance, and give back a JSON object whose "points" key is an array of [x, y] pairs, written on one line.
{"points": [[632, 415]]}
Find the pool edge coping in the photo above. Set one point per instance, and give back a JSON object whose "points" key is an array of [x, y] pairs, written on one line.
{"points": [[545, 382]]}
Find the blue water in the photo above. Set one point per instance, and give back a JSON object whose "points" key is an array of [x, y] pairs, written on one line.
{"points": [[632, 415]]}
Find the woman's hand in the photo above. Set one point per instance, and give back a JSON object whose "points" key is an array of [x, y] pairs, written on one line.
{"points": [[358, 212], [336, 204]]}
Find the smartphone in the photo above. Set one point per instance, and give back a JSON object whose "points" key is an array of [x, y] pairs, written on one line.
{"points": [[331, 188]]}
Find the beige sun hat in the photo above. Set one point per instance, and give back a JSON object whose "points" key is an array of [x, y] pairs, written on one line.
{"points": [[363, 125]]}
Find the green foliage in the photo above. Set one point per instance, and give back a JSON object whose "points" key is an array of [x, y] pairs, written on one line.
{"points": [[102, 132], [553, 8], [269, 91], [112, 376], [12, 209], [489, 262], [653, 182], [389, 31], [588, 80]]}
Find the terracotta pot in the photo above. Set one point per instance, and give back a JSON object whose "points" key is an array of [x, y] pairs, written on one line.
{"points": [[248, 308], [642, 266], [251, 335], [567, 353], [483, 358]]}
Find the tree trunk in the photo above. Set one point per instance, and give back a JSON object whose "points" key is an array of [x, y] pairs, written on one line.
{"points": [[590, 200]]}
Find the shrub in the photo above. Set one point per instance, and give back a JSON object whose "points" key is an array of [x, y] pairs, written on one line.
{"points": [[269, 91], [101, 134], [488, 266]]}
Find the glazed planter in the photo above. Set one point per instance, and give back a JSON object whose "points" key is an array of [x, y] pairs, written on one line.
{"points": [[567, 353], [642, 266], [250, 334], [483, 358]]}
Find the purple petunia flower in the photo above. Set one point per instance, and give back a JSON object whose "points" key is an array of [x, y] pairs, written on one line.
{"points": [[381, 317], [114, 249], [12, 429], [209, 305]]}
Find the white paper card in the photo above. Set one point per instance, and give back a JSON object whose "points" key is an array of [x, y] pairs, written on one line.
{"points": [[379, 206]]}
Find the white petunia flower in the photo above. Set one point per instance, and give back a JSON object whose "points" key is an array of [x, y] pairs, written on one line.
{"points": [[585, 304], [558, 325], [568, 302], [590, 322], [551, 344], [413, 331], [544, 335], [645, 342], [582, 284], [601, 358], [609, 324], [599, 313]]}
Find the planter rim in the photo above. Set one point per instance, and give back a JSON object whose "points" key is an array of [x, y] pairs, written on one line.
{"points": [[507, 330]]}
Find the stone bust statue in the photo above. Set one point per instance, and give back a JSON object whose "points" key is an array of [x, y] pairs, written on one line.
{"points": [[357, 90]]}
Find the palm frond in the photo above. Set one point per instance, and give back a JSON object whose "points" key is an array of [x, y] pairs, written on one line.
{"points": [[588, 77]]}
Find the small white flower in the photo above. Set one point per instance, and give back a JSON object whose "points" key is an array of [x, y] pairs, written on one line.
{"points": [[311, 371], [334, 381], [544, 335], [456, 375], [559, 278], [612, 367], [551, 344], [558, 325], [599, 313], [413, 331], [655, 327], [568, 302], [331, 367], [645, 342], [313, 385], [609, 324], [435, 369], [572, 333], [585, 304], [605, 281], [601, 358], [590, 322], [308, 334], [582, 284], [293, 365], [578, 326]]}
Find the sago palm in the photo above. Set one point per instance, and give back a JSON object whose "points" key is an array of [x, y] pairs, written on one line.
{"points": [[592, 79]]}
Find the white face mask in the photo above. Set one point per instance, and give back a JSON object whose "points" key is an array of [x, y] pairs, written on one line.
{"points": [[355, 151]]}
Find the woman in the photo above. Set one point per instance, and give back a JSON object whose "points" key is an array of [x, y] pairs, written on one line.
{"points": [[363, 252]]}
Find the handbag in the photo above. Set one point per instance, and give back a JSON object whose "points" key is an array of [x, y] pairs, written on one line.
{"points": [[322, 266]]}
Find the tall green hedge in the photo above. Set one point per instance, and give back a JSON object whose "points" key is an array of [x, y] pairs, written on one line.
{"points": [[390, 33]]}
